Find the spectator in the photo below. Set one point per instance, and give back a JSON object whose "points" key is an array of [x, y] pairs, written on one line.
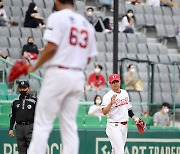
{"points": [[134, 2], [100, 24], [33, 19], [127, 23], [153, 2], [30, 50], [95, 110], [168, 3], [161, 118], [130, 80], [96, 80], [4, 19], [90, 16]]}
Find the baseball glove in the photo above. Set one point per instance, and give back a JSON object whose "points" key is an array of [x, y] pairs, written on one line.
{"points": [[18, 69], [141, 125]]}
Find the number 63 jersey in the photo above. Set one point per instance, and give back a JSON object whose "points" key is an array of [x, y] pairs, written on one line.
{"points": [[74, 37]]}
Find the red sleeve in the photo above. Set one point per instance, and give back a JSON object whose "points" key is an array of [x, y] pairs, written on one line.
{"points": [[103, 80]]}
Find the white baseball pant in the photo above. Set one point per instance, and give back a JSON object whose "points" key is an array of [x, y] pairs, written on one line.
{"points": [[59, 96], [117, 134]]}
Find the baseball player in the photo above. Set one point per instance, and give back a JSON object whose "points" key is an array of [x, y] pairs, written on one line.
{"points": [[118, 107], [70, 46]]}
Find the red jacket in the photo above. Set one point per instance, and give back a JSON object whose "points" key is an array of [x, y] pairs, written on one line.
{"points": [[97, 80]]}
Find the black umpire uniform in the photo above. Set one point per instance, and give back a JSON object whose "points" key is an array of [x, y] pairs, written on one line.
{"points": [[22, 113]]}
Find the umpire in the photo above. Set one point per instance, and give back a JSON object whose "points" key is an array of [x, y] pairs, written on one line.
{"points": [[22, 113]]}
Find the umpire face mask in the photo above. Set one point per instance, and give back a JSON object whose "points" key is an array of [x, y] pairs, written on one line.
{"points": [[24, 91]]}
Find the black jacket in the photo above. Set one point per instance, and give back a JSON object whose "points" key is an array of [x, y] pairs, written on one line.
{"points": [[22, 110], [31, 48]]}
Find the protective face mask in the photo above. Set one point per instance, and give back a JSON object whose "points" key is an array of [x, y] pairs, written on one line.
{"points": [[130, 14], [98, 101], [89, 13], [133, 70], [35, 8], [23, 93], [30, 43], [97, 70], [166, 110]]}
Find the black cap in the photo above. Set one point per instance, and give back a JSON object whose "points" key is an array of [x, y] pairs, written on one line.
{"points": [[23, 84]]}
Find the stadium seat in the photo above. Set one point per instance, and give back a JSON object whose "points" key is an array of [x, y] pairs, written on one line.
{"points": [[39, 3], [167, 97], [132, 48], [8, 10], [170, 31], [144, 95], [6, 108], [162, 49], [103, 121], [159, 20], [178, 41], [4, 43], [166, 11], [17, 3], [14, 42], [90, 95], [100, 37], [138, 9], [176, 20], [142, 67], [166, 87], [140, 20], [149, 20], [157, 11], [4, 121], [142, 48], [122, 38], [168, 20], [92, 122], [142, 57], [81, 111], [122, 48], [48, 4], [25, 3], [153, 58], [148, 9], [101, 57], [141, 38], [80, 121], [3, 89], [163, 58], [122, 10], [47, 12], [3, 97], [15, 53], [16, 11], [12, 96], [4, 32], [161, 31], [101, 47], [25, 32], [175, 11], [162, 68], [90, 66], [132, 38], [109, 57], [15, 32], [80, 5], [134, 96], [109, 37]]}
